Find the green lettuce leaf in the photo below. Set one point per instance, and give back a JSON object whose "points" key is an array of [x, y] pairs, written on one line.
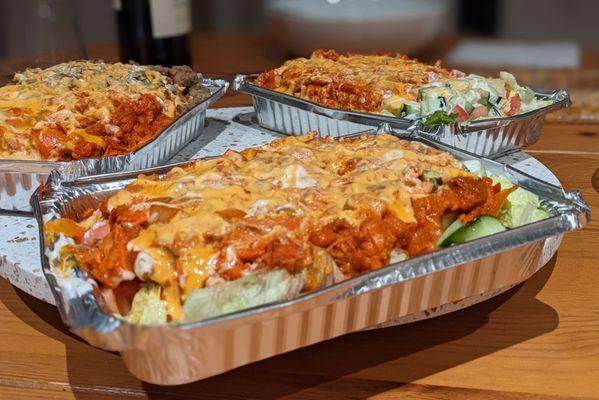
{"points": [[521, 207], [439, 117]]}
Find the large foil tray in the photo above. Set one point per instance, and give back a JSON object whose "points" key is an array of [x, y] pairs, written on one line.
{"points": [[20, 178], [489, 137], [169, 355]]}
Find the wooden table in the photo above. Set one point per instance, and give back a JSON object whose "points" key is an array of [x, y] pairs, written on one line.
{"points": [[539, 340]]}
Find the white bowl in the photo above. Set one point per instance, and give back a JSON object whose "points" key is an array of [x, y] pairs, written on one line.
{"points": [[403, 26]]}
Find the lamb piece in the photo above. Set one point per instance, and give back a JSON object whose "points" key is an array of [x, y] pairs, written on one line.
{"points": [[184, 76], [197, 93], [181, 75]]}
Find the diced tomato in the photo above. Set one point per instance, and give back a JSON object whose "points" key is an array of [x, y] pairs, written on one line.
{"points": [[515, 105], [479, 112], [461, 114]]}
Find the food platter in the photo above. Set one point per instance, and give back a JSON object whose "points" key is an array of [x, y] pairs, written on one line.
{"points": [[19, 247]]}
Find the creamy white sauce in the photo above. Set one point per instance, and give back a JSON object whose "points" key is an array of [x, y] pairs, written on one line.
{"points": [[144, 265], [71, 285], [58, 245]]}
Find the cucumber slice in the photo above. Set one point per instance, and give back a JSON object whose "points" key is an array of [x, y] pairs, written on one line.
{"points": [[484, 226], [468, 107], [412, 108], [455, 227]]}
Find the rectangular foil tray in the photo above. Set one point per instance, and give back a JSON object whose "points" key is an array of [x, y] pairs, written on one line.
{"points": [[177, 354], [489, 137], [20, 178]]}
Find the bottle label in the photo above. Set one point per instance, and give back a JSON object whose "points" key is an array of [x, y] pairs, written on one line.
{"points": [[170, 18]]}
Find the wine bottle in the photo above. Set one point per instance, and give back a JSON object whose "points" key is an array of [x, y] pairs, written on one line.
{"points": [[154, 31]]}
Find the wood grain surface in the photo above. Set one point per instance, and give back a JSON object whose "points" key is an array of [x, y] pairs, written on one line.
{"points": [[539, 340]]}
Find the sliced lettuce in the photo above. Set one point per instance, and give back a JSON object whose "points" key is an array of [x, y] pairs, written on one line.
{"points": [[521, 207], [252, 290], [321, 272], [147, 307], [527, 95]]}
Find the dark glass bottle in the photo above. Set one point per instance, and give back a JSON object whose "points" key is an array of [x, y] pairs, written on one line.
{"points": [[154, 31]]}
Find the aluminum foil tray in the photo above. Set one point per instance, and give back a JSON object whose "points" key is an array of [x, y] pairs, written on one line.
{"points": [[176, 354], [490, 137], [20, 178]]}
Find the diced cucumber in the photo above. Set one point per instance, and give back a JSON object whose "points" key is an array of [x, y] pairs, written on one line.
{"points": [[394, 105], [459, 84], [442, 103], [468, 107], [454, 227], [477, 96], [497, 86], [434, 99], [484, 226], [412, 108], [462, 102]]}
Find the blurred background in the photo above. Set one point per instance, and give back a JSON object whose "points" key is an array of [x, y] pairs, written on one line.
{"points": [[548, 43]]}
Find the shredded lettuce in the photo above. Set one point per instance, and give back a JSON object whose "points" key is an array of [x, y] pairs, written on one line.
{"points": [[147, 307], [521, 207], [249, 291]]}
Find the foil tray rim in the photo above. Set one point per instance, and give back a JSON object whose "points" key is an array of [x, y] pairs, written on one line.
{"points": [[217, 87], [560, 97], [82, 313]]}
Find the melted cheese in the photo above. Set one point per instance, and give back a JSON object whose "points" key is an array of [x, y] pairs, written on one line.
{"points": [[284, 190], [50, 98], [372, 83]]}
